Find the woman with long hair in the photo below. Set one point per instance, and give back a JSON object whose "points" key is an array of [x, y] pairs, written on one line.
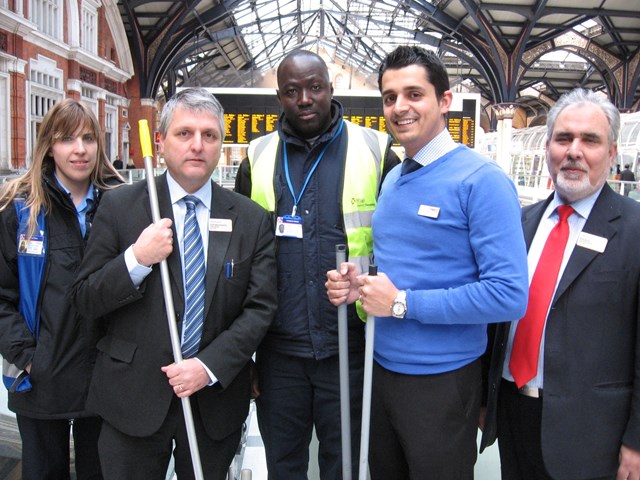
{"points": [[48, 350]]}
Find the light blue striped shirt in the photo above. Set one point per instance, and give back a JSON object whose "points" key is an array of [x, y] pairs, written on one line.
{"points": [[436, 148]]}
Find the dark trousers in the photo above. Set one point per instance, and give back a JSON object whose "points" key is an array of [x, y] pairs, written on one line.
{"points": [[424, 427], [45, 448], [295, 395], [132, 458], [519, 436]]}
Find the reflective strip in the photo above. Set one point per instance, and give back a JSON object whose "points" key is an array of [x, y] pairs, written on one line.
{"points": [[358, 218]]}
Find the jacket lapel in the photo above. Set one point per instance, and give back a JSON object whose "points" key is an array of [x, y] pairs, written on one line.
{"points": [[606, 208]]}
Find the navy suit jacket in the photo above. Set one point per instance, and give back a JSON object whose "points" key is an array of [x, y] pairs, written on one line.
{"points": [[128, 389], [591, 401]]}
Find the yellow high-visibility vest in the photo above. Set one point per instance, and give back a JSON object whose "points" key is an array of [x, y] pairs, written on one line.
{"points": [[363, 167]]}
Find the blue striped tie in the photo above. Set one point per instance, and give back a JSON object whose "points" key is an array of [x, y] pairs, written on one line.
{"points": [[194, 270]]}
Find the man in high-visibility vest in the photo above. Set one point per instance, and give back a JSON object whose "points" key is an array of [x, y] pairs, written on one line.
{"points": [[319, 175]]}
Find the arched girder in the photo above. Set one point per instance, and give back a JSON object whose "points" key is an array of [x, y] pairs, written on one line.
{"points": [[177, 33]]}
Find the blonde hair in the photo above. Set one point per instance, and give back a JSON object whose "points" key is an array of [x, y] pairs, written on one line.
{"points": [[63, 119]]}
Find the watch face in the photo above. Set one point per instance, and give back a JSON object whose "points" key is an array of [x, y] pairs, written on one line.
{"points": [[398, 309]]}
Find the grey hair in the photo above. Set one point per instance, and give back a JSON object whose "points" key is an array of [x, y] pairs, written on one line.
{"points": [[194, 100], [580, 96]]}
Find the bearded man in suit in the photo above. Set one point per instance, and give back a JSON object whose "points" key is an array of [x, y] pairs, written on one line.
{"points": [[570, 409]]}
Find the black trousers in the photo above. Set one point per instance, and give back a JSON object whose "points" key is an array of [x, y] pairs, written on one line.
{"points": [[424, 427], [132, 458], [519, 436], [45, 448], [297, 394]]}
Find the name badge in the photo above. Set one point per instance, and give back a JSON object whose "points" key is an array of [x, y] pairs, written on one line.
{"points": [[31, 246], [592, 242], [220, 225], [289, 226], [429, 211]]}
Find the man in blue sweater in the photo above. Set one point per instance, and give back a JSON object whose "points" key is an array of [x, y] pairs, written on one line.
{"points": [[449, 247]]}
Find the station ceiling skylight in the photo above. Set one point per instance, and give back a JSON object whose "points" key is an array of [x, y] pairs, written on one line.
{"points": [[356, 33]]}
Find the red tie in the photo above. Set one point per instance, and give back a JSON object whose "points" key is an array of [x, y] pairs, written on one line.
{"points": [[526, 343]]}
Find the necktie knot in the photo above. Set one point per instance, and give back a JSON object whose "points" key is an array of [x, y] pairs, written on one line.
{"points": [[190, 201], [409, 165], [564, 212]]}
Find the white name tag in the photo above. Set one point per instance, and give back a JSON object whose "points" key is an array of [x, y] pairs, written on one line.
{"points": [[220, 225], [592, 242], [429, 211]]}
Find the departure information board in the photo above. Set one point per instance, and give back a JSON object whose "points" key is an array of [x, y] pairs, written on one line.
{"points": [[462, 124], [252, 115]]}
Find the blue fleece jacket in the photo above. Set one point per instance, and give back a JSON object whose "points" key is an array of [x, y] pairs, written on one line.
{"points": [[450, 234]]}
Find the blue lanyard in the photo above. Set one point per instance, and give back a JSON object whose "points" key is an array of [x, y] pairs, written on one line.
{"points": [[313, 169]]}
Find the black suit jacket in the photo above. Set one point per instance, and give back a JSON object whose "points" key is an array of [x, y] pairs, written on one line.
{"points": [[591, 400], [128, 389]]}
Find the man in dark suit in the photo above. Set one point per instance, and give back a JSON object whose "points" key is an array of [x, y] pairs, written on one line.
{"points": [[117, 163], [627, 176], [576, 413], [136, 386]]}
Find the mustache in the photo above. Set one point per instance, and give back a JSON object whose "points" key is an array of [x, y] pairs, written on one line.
{"points": [[573, 165]]}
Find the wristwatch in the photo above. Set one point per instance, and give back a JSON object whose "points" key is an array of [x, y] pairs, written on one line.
{"points": [[399, 305]]}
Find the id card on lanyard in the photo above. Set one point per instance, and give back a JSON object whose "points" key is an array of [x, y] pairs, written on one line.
{"points": [[31, 246], [291, 225]]}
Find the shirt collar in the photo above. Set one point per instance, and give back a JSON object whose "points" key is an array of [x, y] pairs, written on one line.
{"points": [[177, 193], [582, 207], [436, 148], [88, 199]]}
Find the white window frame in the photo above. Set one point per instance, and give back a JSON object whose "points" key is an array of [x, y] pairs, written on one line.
{"points": [[89, 22], [47, 15], [111, 126], [45, 90], [89, 96]]}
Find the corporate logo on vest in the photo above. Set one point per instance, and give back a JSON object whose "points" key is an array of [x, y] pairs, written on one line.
{"points": [[362, 202]]}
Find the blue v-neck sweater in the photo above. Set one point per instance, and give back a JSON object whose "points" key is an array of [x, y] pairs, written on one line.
{"points": [[450, 234]]}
